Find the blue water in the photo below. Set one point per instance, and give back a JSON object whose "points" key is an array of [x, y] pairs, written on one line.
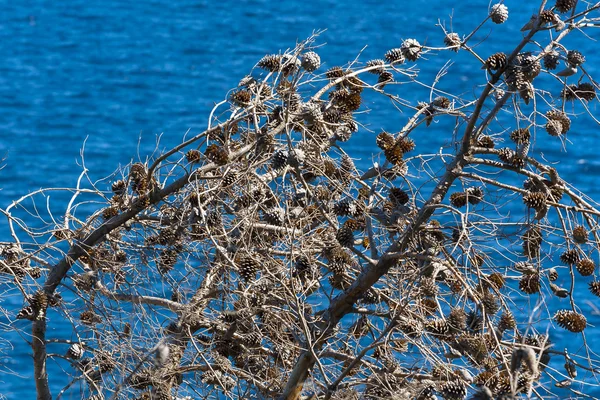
{"points": [[116, 74]]}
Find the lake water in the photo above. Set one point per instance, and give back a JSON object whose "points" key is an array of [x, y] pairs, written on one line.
{"points": [[115, 74]]}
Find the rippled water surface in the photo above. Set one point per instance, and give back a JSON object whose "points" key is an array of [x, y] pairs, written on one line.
{"points": [[114, 75]]}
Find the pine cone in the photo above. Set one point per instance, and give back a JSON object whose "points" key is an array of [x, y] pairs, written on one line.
{"points": [[110, 212], [585, 91], [563, 6], [384, 78], [554, 127], [310, 61], [38, 303], [411, 49], [570, 320], [248, 267], [394, 155], [506, 155], [595, 288], [241, 98], [279, 159], [345, 236], [398, 196], [271, 63], [453, 390], [385, 140], [518, 82], [119, 187], [580, 234], [428, 287], [548, 16], [499, 13], [562, 118], [167, 260], [506, 322], [552, 274], [344, 208], [496, 280], [486, 142], [490, 303], [405, 145], [457, 320], [229, 179], [458, 199], [575, 58], [378, 64], [569, 92], [535, 200], [395, 56], [551, 60], [89, 318], [343, 133], [586, 267], [452, 40], [334, 73], [569, 257], [216, 154], [474, 195], [437, 326], [520, 136], [496, 61], [528, 64], [530, 283], [275, 216]]}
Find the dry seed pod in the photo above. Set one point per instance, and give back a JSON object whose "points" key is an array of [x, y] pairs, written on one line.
{"points": [[490, 303], [595, 288], [520, 136], [271, 63], [499, 13], [559, 291], [495, 62], [575, 58], [563, 6], [452, 40], [530, 283], [551, 60], [565, 121], [411, 49], [571, 369], [310, 61], [394, 56], [585, 267], [458, 199], [486, 142], [75, 351], [580, 234], [345, 236], [378, 66], [506, 322], [570, 257], [535, 200], [496, 280], [570, 320], [457, 320], [437, 326], [453, 390]]}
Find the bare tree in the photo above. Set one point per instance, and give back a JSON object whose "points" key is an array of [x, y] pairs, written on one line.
{"points": [[255, 260]]}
